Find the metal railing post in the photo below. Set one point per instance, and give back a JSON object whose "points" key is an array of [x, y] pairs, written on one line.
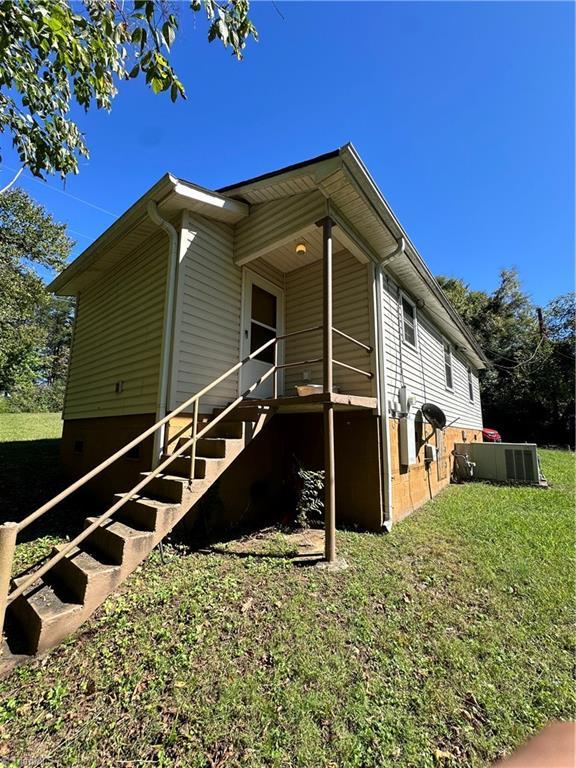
{"points": [[328, 407], [8, 533], [193, 447], [275, 379]]}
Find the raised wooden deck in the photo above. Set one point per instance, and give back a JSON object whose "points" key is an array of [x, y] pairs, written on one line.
{"points": [[312, 403]]}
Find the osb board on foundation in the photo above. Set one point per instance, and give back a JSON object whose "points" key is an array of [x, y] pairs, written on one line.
{"points": [[87, 442], [414, 485], [250, 484], [181, 427], [357, 460]]}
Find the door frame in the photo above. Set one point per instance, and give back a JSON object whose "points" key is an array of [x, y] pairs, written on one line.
{"points": [[250, 277]]}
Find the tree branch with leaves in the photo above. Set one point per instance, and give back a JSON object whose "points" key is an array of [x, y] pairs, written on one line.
{"points": [[54, 53]]}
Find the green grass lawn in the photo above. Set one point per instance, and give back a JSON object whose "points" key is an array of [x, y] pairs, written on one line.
{"points": [[16, 427], [30, 474], [447, 643]]}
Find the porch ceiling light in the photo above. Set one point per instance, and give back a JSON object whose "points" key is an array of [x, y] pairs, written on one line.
{"points": [[301, 249]]}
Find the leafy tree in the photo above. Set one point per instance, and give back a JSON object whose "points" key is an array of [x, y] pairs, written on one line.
{"points": [[34, 326], [557, 380], [56, 52], [528, 391]]}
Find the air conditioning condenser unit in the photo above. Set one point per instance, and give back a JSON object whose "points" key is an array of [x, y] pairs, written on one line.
{"points": [[504, 462]]}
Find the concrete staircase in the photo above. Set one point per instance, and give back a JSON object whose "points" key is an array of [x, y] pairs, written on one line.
{"points": [[72, 590]]}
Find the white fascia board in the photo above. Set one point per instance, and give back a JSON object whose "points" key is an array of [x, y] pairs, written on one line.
{"points": [[169, 193], [227, 207]]}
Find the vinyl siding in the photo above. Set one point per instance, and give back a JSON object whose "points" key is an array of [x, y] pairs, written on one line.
{"points": [[351, 307], [271, 224], [208, 313], [118, 337], [267, 271], [422, 369]]}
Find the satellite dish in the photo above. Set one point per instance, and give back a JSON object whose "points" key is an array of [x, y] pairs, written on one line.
{"points": [[434, 415]]}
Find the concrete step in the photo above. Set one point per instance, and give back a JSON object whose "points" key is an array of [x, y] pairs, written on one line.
{"points": [[233, 430], [245, 412], [43, 616], [204, 468], [146, 513], [227, 430], [167, 487], [212, 447], [119, 542], [85, 577]]}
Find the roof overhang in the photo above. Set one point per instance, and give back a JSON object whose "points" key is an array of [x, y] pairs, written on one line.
{"points": [[172, 196], [410, 268], [368, 226], [368, 222]]}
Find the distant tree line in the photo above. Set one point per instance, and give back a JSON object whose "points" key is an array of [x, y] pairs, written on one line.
{"points": [[527, 391], [35, 326]]}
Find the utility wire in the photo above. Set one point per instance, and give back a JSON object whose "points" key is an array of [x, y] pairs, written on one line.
{"points": [[498, 354], [522, 362], [12, 181], [67, 194]]}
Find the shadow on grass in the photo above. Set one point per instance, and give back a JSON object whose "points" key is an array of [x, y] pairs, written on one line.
{"points": [[30, 475], [216, 542]]}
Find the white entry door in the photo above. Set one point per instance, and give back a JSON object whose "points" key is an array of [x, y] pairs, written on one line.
{"points": [[262, 321]]}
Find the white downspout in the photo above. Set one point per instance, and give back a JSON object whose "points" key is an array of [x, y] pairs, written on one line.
{"points": [[383, 399], [168, 329], [400, 249], [383, 387]]}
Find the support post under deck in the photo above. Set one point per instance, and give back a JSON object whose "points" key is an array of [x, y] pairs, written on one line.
{"points": [[329, 464]]}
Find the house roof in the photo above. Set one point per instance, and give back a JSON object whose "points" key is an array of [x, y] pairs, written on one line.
{"points": [[353, 195], [172, 196], [280, 171], [344, 179]]}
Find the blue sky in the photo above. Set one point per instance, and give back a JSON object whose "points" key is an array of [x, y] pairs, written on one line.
{"points": [[463, 112]]}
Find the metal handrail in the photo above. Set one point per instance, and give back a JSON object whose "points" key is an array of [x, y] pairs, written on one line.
{"points": [[194, 400], [70, 546], [368, 374], [137, 440], [190, 443], [360, 344]]}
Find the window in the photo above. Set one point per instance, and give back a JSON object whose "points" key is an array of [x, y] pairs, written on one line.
{"points": [[470, 385], [408, 321], [448, 365], [263, 323]]}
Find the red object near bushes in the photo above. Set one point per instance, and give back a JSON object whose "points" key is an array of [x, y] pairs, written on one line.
{"points": [[491, 435]]}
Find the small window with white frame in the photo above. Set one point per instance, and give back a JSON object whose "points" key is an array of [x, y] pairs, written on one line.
{"points": [[448, 376], [470, 385], [409, 325]]}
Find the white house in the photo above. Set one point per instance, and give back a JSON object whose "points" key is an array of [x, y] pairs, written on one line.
{"points": [[199, 313]]}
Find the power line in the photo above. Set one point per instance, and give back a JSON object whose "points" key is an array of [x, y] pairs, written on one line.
{"points": [[522, 362], [498, 354], [78, 234], [67, 194]]}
